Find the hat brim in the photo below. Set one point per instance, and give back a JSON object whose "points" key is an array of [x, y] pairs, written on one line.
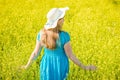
{"points": [[49, 26], [54, 24]]}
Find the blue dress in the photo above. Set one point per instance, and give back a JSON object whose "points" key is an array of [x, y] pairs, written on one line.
{"points": [[55, 64]]}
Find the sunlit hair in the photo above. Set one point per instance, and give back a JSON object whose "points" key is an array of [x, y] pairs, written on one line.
{"points": [[50, 36]]}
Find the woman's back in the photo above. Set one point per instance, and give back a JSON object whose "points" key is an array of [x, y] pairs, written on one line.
{"points": [[63, 38], [54, 64]]}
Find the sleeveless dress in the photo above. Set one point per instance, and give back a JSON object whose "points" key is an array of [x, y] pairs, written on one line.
{"points": [[54, 64]]}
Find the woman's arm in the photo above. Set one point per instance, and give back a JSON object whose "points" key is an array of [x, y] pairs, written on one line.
{"points": [[69, 53], [34, 54]]}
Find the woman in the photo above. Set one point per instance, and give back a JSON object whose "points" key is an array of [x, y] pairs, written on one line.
{"points": [[57, 49]]}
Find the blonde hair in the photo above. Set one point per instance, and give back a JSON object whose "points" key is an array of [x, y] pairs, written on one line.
{"points": [[50, 36]]}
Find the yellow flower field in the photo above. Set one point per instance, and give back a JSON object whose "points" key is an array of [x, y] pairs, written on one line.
{"points": [[94, 27]]}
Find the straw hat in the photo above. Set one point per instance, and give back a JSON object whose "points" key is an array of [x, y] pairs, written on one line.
{"points": [[53, 16]]}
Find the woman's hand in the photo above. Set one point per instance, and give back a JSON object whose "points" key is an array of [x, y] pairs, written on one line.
{"points": [[91, 67], [24, 67]]}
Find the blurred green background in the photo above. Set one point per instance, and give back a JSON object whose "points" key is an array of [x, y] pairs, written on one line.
{"points": [[94, 27]]}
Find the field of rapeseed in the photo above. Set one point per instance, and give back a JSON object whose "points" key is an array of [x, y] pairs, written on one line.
{"points": [[94, 27]]}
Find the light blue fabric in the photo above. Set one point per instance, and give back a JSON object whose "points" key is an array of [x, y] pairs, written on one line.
{"points": [[55, 64]]}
